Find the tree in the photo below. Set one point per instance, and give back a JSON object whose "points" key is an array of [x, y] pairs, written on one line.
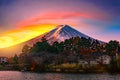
{"points": [[111, 49], [40, 46], [15, 59], [25, 49]]}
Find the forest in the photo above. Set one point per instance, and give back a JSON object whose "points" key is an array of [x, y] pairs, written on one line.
{"points": [[65, 56]]}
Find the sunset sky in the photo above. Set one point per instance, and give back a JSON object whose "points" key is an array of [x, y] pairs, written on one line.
{"points": [[21, 20]]}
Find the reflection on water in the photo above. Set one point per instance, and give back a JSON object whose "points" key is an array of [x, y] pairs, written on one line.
{"points": [[53, 76], [15, 75]]}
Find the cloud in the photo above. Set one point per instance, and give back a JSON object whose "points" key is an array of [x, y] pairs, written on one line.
{"points": [[25, 12], [49, 16], [14, 37]]}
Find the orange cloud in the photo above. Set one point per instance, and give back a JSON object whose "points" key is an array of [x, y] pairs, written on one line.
{"points": [[60, 15], [14, 37]]}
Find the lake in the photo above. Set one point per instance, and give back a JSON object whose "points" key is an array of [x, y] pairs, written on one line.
{"points": [[16, 75]]}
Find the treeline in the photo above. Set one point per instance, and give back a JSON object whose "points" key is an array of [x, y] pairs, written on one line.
{"points": [[43, 56]]}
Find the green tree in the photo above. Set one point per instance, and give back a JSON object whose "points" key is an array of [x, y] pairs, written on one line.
{"points": [[111, 50], [25, 49], [15, 59]]}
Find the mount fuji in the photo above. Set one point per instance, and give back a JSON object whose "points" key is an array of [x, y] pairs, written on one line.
{"points": [[59, 34]]}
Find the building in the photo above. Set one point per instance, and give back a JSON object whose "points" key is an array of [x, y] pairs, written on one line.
{"points": [[104, 59], [3, 60], [81, 61]]}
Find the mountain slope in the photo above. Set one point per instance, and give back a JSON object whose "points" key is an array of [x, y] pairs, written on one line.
{"points": [[60, 33], [63, 32]]}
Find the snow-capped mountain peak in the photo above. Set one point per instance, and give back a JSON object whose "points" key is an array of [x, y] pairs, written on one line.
{"points": [[63, 32], [59, 34]]}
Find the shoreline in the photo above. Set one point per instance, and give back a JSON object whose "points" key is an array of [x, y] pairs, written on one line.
{"points": [[64, 72]]}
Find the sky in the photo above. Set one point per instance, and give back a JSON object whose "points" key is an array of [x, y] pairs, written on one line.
{"points": [[21, 20]]}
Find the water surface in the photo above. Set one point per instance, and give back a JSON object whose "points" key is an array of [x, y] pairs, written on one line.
{"points": [[16, 75]]}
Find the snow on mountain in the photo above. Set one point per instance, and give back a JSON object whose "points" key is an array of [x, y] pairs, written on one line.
{"points": [[60, 33], [63, 32]]}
